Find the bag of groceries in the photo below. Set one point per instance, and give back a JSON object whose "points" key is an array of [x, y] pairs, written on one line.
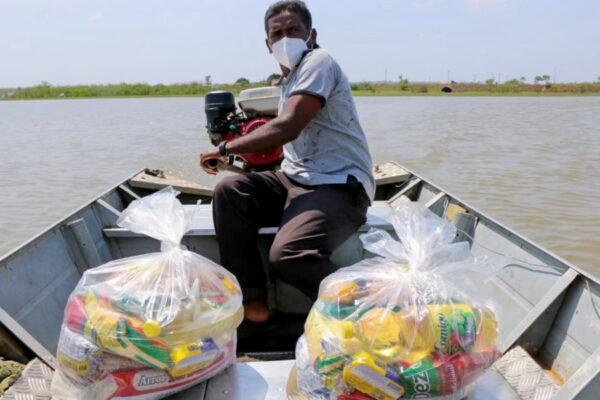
{"points": [[151, 325], [395, 326]]}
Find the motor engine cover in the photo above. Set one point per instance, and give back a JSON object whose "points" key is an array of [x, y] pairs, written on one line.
{"points": [[243, 128]]}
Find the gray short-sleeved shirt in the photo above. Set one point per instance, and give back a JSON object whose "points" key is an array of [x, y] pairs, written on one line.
{"points": [[332, 145]]}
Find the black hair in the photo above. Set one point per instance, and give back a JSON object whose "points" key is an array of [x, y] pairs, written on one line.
{"points": [[295, 6]]}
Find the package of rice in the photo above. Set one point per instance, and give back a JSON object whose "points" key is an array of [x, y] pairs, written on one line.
{"points": [[151, 325]]}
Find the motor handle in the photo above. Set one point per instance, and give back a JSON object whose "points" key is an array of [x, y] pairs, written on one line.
{"points": [[215, 163]]}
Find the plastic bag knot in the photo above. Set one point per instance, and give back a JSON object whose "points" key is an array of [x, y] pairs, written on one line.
{"points": [[426, 241], [160, 216]]}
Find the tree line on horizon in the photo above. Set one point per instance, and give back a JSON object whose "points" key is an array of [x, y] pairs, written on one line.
{"points": [[200, 88], [46, 90]]}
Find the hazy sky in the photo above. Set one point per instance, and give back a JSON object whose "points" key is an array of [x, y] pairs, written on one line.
{"points": [[170, 41]]}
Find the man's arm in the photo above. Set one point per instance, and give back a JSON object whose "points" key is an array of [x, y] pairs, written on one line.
{"points": [[297, 112]]}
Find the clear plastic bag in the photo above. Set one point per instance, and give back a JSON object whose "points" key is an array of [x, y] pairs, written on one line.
{"points": [[150, 325], [396, 326]]}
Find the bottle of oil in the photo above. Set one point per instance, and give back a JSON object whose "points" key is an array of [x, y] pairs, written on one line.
{"points": [[394, 336], [409, 334], [326, 337]]}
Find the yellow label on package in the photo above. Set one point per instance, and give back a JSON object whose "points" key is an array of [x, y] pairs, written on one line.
{"points": [[193, 356], [373, 377], [78, 367]]}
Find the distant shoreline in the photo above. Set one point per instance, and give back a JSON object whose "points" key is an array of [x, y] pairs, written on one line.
{"points": [[355, 94], [362, 93], [404, 88]]}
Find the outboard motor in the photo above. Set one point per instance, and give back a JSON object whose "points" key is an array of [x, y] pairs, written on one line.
{"points": [[258, 106], [218, 105]]}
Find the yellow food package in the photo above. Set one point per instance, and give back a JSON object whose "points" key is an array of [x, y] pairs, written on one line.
{"points": [[373, 377]]}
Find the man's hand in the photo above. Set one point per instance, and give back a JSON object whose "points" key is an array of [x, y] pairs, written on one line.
{"points": [[212, 157]]}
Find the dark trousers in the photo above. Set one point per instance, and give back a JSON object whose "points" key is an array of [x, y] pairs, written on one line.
{"points": [[312, 221]]}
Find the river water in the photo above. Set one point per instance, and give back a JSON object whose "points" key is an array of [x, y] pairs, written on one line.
{"points": [[531, 163]]}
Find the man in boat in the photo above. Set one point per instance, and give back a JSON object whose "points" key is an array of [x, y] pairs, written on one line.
{"points": [[320, 195]]}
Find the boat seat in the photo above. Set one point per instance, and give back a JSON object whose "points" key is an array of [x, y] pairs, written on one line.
{"points": [[202, 221]]}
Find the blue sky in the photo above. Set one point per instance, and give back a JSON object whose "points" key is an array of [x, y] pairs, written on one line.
{"points": [[169, 41]]}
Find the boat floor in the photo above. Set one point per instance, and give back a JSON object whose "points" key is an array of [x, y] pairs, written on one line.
{"points": [[273, 340], [514, 376]]}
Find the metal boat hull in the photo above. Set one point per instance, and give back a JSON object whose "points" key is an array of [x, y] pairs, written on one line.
{"points": [[549, 306]]}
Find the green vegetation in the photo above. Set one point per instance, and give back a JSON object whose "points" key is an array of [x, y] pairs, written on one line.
{"points": [[363, 86], [47, 91], [242, 82], [543, 78], [9, 373], [513, 87]]}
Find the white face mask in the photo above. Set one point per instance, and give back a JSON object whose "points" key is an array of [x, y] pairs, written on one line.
{"points": [[288, 51]]}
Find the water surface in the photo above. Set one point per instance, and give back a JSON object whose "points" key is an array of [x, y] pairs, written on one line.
{"points": [[531, 163]]}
